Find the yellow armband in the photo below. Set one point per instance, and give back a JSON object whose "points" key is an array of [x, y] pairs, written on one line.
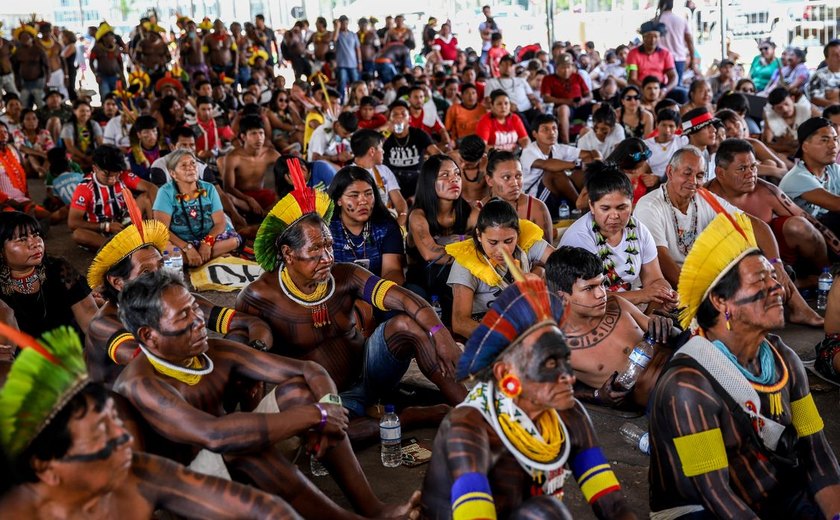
{"points": [[375, 290], [806, 418], [118, 339], [701, 452], [471, 498]]}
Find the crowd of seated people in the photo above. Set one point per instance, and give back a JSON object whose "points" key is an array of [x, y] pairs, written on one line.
{"points": [[512, 220]]}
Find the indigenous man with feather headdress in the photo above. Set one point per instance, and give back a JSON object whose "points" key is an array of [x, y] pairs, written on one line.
{"points": [[504, 451], [735, 432], [71, 456], [309, 302]]}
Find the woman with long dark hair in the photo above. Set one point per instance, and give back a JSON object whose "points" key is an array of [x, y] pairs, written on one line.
{"points": [[364, 231], [637, 121], [440, 216], [286, 124], [170, 115], [45, 292], [81, 135], [504, 176], [480, 273]]}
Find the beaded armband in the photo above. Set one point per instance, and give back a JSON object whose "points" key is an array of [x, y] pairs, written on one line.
{"points": [[471, 498], [220, 318], [594, 474], [375, 290], [118, 338], [702, 452], [805, 416]]}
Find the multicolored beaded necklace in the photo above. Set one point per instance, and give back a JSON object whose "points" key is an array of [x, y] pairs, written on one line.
{"points": [[614, 280]]}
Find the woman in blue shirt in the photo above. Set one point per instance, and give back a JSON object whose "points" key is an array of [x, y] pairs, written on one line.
{"points": [[192, 210], [364, 231]]}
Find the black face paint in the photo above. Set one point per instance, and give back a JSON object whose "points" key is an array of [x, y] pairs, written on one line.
{"points": [[102, 454], [760, 295], [180, 332], [549, 359]]}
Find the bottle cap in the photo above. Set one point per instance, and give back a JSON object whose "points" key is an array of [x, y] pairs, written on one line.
{"points": [[826, 269], [178, 249], [434, 298], [389, 408]]}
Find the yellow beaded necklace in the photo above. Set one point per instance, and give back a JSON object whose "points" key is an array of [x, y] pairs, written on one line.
{"points": [[317, 294], [545, 450], [316, 302], [190, 374]]}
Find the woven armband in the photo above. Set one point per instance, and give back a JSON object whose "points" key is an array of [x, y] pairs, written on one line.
{"points": [[594, 474], [118, 338], [220, 318], [702, 452], [471, 498], [632, 66], [806, 418], [375, 290]]}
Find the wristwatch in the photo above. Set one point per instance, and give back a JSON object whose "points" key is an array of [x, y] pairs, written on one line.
{"points": [[578, 163], [259, 345]]}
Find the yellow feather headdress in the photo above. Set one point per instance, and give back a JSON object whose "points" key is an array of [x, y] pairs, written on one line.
{"points": [[24, 28], [724, 242], [285, 214], [122, 245], [104, 28]]}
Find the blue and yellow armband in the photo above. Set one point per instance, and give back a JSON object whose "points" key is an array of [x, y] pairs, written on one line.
{"points": [[701, 452], [375, 290], [472, 499], [594, 474], [220, 318]]}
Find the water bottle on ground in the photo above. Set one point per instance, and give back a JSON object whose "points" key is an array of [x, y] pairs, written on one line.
{"points": [[823, 286], [167, 262], [564, 212], [177, 263], [436, 307], [636, 364], [316, 468], [636, 437], [390, 434]]}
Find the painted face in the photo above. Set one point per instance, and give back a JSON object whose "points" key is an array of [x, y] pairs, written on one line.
{"points": [[545, 370], [24, 250], [759, 302], [506, 181], [612, 212], [497, 240], [686, 176], [357, 201], [314, 259], [181, 333], [589, 297], [546, 134], [448, 182], [742, 174], [101, 447], [602, 130]]}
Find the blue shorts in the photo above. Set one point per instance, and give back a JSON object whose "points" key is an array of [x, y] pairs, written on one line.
{"points": [[381, 372]]}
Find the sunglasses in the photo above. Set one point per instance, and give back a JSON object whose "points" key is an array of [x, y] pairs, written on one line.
{"points": [[640, 156], [632, 98], [762, 49]]}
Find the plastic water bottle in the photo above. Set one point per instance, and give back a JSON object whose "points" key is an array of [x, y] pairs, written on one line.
{"points": [[177, 262], [436, 307], [636, 437], [316, 468], [590, 123], [823, 286], [167, 262], [636, 363], [390, 433], [564, 212]]}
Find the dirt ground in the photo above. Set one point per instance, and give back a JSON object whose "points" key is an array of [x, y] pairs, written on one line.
{"points": [[631, 467]]}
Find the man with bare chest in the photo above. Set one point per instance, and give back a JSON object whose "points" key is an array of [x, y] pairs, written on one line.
{"points": [[221, 51], [369, 44], [602, 328], [70, 455], [52, 48], [106, 60], [189, 48], [152, 53], [31, 68], [804, 241], [7, 76], [321, 40], [246, 168], [309, 302], [178, 385]]}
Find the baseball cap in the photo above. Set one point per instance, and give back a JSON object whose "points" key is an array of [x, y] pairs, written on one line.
{"points": [[807, 129], [697, 119]]}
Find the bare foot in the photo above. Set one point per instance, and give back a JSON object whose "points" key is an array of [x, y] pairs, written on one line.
{"points": [[805, 316], [410, 509]]}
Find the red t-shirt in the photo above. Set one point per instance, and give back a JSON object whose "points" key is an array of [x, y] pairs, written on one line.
{"points": [[655, 64], [103, 203], [494, 56], [417, 122], [571, 88], [374, 122], [448, 50], [502, 136]]}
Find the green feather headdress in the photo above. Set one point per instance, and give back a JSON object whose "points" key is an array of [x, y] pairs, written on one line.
{"points": [[291, 208], [43, 378]]}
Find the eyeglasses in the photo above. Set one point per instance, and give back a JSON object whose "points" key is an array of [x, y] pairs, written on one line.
{"points": [[632, 98]]}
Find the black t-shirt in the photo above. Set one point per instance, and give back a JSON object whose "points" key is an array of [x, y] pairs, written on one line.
{"points": [[49, 308], [405, 158]]}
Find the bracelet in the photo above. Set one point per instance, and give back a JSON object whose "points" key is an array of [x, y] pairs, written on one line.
{"points": [[323, 423], [775, 261], [107, 227], [210, 240], [434, 330]]}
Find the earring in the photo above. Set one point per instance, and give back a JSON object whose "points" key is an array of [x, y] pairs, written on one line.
{"points": [[727, 316], [511, 386]]}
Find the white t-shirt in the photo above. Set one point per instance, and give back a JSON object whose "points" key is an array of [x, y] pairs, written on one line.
{"points": [[660, 153], [531, 176], [517, 90], [580, 234], [115, 135], [389, 180], [658, 215], [589, 141], [325, 143]]}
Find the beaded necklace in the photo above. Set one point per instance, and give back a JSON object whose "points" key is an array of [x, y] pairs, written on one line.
{"points": [[13, 169], [193, 214], [26, 284], [605, 253], [765, 382], [315, 302], [685, 237], [191, 374]]}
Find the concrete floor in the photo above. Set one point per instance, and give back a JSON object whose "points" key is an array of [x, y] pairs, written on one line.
{"points": [[397, 484]]}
